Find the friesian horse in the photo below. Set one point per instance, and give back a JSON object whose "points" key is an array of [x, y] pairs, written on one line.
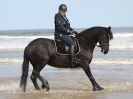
{"points": [[42, 51]]}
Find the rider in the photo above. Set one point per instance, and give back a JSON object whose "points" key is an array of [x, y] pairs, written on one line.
{"points": [[63, 30]]}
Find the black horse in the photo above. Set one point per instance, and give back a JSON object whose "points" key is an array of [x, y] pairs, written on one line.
{"points": [[42, 51]]}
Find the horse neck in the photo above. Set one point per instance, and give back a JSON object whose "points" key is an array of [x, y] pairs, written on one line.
{"points": [[87, 42]]}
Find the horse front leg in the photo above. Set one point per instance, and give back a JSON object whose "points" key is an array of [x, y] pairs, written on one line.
{"points": [[95, 85]]}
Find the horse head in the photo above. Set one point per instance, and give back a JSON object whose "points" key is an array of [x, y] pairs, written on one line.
{"points": [[104, 38]]}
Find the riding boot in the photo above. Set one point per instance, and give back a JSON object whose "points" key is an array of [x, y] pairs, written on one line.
{"points": [[72, 57]]}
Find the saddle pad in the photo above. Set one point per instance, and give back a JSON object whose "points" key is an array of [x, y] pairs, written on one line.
{"points": [[62, 49]]}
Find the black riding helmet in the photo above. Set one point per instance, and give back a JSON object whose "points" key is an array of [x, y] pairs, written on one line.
{"points": [[63, 7]]}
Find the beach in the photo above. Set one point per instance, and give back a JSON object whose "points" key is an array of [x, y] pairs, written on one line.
{"points": [[114, 71], [73, 83]]}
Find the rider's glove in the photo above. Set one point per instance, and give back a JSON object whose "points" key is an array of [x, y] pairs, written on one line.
{"points": [[70, 32], [75, 32]]}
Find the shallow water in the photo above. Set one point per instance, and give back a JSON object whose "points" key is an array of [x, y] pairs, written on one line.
{"points": [[70, 83]]}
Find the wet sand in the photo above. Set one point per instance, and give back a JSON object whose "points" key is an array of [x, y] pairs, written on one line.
{"points": [[74, 84], [70, 95]]}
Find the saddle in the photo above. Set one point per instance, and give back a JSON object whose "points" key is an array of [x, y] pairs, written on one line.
{"points": [[63, 49]]}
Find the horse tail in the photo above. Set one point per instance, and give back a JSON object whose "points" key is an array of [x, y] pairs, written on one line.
{"points": [[25, 70]]}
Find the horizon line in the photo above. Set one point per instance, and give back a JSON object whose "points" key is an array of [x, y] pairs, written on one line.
{"points": [[53, 28]]}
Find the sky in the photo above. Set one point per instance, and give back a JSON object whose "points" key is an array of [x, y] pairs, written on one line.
{"points": [[39, 14]]}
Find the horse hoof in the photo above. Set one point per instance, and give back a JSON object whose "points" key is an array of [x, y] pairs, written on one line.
{"points": [[47, 89], [43, 86], [97, 88], [46, 86], [38, 88]]}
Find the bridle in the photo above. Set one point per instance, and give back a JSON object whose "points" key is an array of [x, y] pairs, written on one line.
{"points": [[98, 45], [102, 44]]}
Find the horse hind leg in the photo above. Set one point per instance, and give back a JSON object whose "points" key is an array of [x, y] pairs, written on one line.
{"points": [[45, 83], [34, 80], [36, 74]]}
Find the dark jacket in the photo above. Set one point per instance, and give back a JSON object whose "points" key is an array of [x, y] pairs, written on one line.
{"points": [[62, 25]]}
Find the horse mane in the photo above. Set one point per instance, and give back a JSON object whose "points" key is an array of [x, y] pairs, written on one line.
{"points": [[110, 33], [91, 31]]}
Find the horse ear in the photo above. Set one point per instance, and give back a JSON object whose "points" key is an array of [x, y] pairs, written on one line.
{"points": [[109, 28]]}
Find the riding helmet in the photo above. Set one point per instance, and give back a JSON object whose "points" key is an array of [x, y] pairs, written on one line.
{"points": [[63, 7]]}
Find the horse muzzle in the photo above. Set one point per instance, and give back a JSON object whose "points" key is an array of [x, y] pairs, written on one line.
{"points": [[104, 47], [105, 50]]}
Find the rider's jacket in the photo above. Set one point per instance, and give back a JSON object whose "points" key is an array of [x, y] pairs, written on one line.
{"points": [[62, 25]]}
